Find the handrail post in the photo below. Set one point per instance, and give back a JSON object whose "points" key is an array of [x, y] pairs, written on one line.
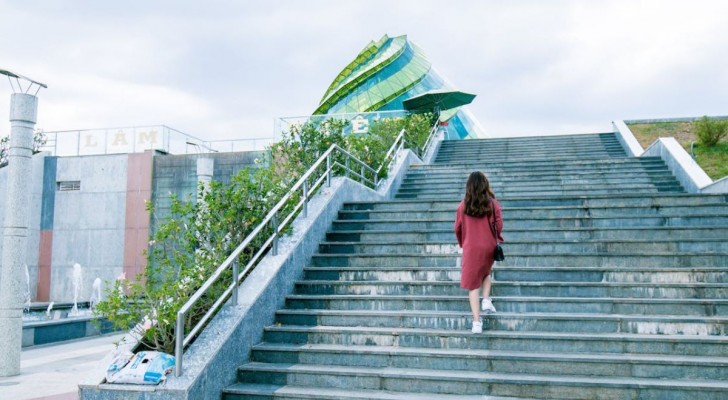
{"points": [[328, 170], [275, 234], [179, 343], [236, 271], [347, 164], [362, 173], [305, 199]]}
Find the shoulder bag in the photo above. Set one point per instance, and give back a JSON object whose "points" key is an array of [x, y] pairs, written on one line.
{"points": [[498, 253]]}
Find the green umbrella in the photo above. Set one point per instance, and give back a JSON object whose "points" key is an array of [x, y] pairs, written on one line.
{"points": [[437, 100]]}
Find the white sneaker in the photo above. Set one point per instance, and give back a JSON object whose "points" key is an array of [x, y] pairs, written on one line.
{"points": [[478, 326], [487, 306]]}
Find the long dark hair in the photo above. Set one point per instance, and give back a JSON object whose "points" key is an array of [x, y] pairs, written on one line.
{"points": [[478, 195]]}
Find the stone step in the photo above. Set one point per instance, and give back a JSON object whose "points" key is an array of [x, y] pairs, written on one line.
{"points": [[249, 391], [620, 342], [536, 140], [540, 172], [584, 145], [625, 200], [523, 179], [535, 168], [542, 140], [631, 260], [505, 190], [466, 164], [511, 213], [478, 383], [405, 273], [668, 221], [493, 155], [505, 153], [518, 288], [534, 322], [525, 150], [705, 246], [459, 194], [540, 185], [625, 233], [604, 365], [553, 148], [510, 304], [516, 154], [530, 146]]}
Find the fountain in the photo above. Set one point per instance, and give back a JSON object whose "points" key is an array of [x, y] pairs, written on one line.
{"points": [[76, 282], [95, 293], [26, 302], [65, 321]]}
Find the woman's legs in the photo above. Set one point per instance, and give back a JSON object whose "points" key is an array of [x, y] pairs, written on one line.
{"points": [[486, 287], [474, 298]]}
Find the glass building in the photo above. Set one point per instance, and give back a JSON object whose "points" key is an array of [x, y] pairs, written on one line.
{"points": [[383, 75]]}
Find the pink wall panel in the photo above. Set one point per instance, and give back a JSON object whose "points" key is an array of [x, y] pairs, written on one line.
{"points": [[138, 192]]}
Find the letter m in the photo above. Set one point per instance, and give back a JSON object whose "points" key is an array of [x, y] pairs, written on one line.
{"points": [[148, 137]]}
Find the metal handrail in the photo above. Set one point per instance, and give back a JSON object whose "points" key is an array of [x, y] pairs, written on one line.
{"points": [[391, 155], [182, 340], [429, 141]]}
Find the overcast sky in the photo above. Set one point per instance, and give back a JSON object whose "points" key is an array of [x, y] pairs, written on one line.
{"points": [[227, 69]]}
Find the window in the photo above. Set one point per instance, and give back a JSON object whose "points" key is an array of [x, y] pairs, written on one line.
{"points": [[66, 186]]}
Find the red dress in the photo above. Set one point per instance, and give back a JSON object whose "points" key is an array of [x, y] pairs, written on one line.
{"points": [[476, 238]]}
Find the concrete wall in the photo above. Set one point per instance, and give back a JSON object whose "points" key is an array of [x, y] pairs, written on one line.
{"points": [[103, 226], [88, 224], [177, 175]]}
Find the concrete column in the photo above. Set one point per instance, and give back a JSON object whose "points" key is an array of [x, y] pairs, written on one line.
{"points": [[205, 168], [23, 111]]}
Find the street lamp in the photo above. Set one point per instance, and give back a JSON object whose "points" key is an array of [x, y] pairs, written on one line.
{"points": [[23, 112]]}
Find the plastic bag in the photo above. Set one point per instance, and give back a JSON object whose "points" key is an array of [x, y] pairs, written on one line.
{"points": [[144, 368]]}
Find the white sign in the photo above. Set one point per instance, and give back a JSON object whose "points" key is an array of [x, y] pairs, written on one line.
{"points": [[359, 125], [119, 141]]}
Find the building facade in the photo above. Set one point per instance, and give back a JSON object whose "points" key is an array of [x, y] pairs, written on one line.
{"points": [[386, 73]]}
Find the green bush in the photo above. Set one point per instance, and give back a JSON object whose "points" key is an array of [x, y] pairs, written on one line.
{"points": [[186, 248], [710, 131], [39, 140]]}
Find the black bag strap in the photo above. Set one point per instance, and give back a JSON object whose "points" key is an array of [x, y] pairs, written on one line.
{"points": [[494, 225]]}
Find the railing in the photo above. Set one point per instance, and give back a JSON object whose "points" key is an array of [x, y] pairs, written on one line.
{"points": [[134, 139], [429, 141], [361, 171]]}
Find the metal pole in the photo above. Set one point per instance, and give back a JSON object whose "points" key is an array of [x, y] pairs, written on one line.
{"points": [[275, 234], [305, 199], [236, 272], [328, 170], [179, 339], [361, 171], [347, 165]]}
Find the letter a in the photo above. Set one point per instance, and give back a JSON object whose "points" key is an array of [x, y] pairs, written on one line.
{"points": [[120, 139]]}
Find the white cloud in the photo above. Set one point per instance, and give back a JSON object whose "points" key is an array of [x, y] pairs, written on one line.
{"points": [[226, 69]]}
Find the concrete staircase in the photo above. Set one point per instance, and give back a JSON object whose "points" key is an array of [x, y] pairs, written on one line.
{"points": [[615, 286]]}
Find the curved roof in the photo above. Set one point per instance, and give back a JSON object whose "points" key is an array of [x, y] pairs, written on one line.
{"points": [[381, 77]]}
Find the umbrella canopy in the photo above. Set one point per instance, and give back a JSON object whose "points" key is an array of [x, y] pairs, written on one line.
{"points": [[438, 100]]}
